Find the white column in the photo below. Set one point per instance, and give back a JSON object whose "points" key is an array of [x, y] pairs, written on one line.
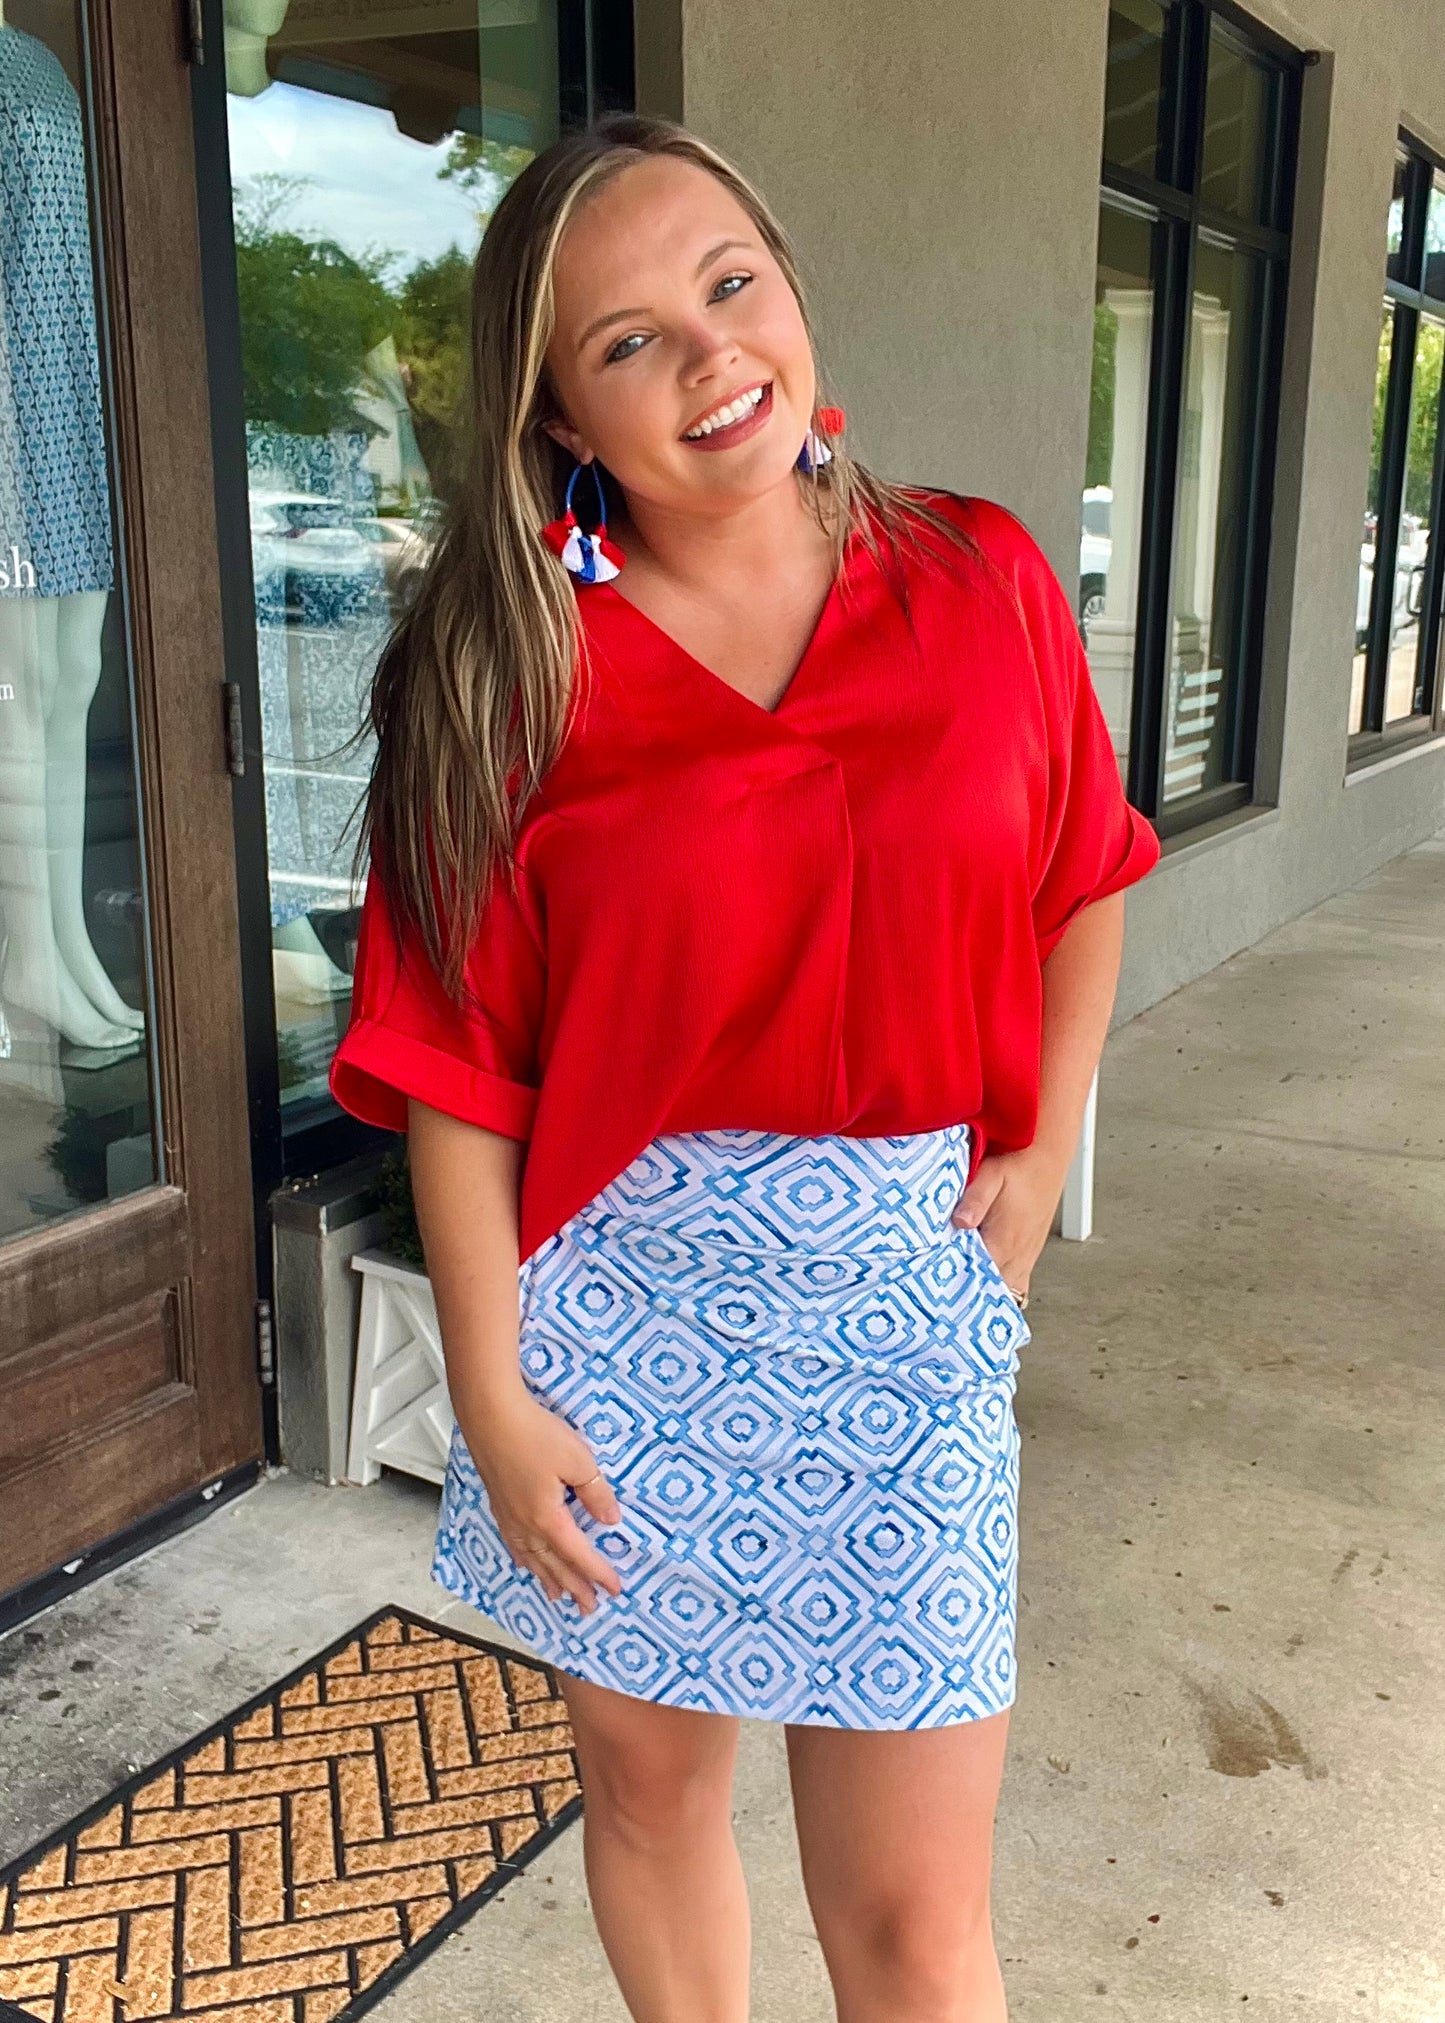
{"points": [[1076, 1210]]}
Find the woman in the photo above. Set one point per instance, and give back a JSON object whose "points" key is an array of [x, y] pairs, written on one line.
{"points": [[752, 864]]}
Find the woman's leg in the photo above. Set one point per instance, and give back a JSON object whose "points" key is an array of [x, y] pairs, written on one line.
{"points": [[895, 1831], [657, 1843]]}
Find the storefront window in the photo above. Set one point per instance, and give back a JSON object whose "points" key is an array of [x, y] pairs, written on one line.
{"points": [[1189, 310], [369, 146], [1395, 683], [76, 1094], [1133, 85], [1112, 519], [1412, 534], [1395, 226], [1236, 173], [1370, 533], [1221, 421], [1433, 271]]}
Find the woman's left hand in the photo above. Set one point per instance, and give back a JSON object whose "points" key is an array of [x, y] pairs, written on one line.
{"points": [[1011, 1201]]}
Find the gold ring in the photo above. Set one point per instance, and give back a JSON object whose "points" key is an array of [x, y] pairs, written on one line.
{"points": [[1020, 1299]]}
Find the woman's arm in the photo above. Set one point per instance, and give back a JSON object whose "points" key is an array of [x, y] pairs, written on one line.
{"points": [[1012, 1197], [465, 1183], [1081, 977]]}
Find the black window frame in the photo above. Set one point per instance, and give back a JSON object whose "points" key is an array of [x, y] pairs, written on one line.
{"points": [[1170, 201], [1406, 295]]}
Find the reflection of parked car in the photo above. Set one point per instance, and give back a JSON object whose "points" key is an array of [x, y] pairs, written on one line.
{"points": [[403, 548], [309, 546], [1410, 559], [1095, 549]]}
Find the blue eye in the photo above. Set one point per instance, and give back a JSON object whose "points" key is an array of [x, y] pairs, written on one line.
{"points": [[627, 347]]}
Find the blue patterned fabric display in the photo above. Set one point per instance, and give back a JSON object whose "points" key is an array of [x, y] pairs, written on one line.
{"points": [[798, 1376], [54, 500]]}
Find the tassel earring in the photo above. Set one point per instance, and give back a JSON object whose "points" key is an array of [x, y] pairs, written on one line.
{"points": [[815, 451], [591, 558]]}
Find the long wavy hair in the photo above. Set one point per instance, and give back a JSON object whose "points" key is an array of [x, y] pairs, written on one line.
{"points": [[475, 689]]}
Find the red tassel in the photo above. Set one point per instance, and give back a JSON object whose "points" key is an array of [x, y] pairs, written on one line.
{"points": [[556, 532], [611, 550], [832, 420]]}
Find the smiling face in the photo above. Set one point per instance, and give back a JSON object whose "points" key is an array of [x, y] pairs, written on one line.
{"points": [[680, 357]]}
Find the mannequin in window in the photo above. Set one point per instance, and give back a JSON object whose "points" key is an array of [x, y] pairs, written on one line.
{"points": [[56, 556], [250, 24]]}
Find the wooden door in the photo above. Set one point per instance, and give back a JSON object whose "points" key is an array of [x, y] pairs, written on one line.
{"points": [[127, 1279]]}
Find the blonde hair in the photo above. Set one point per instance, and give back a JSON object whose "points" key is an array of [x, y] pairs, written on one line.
{"points": [[475, 688]]}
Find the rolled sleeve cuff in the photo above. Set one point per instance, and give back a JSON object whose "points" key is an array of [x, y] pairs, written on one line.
{"points": [[1140, 856], [375, 1069]]}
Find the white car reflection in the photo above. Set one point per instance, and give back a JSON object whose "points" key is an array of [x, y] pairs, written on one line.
{"points": [[402, 547], [311, 563], [1096, 547], [1410, 559]]}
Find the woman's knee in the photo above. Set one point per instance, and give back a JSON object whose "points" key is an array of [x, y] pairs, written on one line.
{"points": [[920, 1960], [653, 1773]]}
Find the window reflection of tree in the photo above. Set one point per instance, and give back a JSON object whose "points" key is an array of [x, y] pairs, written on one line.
{"points": [[355, 360]]}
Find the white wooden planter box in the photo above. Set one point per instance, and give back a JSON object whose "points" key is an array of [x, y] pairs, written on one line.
{"points": [[401, 1414]]}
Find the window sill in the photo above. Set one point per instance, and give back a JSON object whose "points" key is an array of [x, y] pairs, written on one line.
{"points": [[1416, 749], [1224, 829]]}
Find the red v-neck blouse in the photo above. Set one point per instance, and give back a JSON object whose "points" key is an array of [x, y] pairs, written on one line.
{"points": [[825, 918]]}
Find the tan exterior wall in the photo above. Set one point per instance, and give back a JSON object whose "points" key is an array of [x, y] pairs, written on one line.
{"points": [[937, 164]]}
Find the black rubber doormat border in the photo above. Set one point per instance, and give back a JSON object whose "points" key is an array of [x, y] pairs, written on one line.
{"points": [[291, 1863]]}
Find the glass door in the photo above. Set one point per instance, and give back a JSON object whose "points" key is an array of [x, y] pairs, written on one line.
{"points": [[368, 146], [77, 1093], [127, 1370]]}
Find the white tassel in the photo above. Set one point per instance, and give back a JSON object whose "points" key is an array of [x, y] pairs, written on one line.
{"points": [[814, 453], [583, 556]]}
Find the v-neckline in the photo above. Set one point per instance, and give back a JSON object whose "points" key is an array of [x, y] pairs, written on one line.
{"points": [[710, 675]]}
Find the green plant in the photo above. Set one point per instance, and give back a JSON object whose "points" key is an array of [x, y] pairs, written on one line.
{"points": [[393, 1189]]}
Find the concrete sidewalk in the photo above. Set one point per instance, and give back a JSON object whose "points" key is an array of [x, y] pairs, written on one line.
{"points": [[1226, 1772]]}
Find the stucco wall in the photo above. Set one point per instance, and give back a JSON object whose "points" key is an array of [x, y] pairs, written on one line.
{"points": [[937, 164]]}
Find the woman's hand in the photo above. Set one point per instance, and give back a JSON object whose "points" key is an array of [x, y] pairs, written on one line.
{"points": [[1011, 1201], [466, 1182], [1012, 1197], [528, 1456]]}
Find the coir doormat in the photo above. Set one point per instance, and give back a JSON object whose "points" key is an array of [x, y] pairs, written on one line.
{"points": [[292, 1863]]}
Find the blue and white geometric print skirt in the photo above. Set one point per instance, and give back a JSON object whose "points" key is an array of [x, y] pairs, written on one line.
{"points": [[798, 1377]]}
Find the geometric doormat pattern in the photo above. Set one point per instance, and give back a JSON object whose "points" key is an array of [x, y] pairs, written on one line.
{"points": [[293, 1862]]}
